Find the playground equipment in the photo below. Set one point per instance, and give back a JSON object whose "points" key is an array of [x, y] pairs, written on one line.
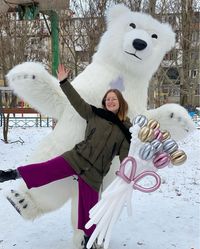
{"points": [[29, 10]]}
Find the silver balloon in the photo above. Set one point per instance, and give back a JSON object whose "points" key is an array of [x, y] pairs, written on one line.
{"points": [[170, 146], [141, 120], [147, 151], [157, 144]]}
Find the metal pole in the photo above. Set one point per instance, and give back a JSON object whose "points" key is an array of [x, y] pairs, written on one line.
{"points": [[54, 46], [54, 40]]}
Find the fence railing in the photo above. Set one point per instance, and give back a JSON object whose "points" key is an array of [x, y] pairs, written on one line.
{"points": [[24, 117]]}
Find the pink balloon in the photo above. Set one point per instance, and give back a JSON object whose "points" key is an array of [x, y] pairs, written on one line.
{"points": [[161, 160], [158, 134]]}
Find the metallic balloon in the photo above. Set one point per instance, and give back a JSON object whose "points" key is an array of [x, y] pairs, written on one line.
{"points": [[153, 124], [161, 160], [170, 146], [147, 151], [157, 145], [146, 134], [166, 135], [158, 134], [141, 120], [178, 157]]}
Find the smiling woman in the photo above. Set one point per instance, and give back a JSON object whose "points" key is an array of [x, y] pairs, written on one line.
{"points": [[114, 101]]}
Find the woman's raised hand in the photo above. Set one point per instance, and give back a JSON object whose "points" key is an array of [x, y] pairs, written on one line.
{"points": [[62, 72]]}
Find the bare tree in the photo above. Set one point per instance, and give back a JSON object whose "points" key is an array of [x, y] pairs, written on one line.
{"points": [[179, 72], [80, 30], [190, 51], [20, 40]]}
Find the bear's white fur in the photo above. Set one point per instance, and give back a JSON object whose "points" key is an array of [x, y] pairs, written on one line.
{"points": [[117, 63]]}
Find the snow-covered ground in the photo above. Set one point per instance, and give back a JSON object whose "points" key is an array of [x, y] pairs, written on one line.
{"points": [[166, 219]]}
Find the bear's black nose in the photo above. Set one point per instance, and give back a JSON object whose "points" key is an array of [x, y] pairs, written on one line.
{"points": [[139, 44]]}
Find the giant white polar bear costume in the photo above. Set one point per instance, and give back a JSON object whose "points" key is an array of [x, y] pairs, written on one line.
{"points": [[128, 54]]}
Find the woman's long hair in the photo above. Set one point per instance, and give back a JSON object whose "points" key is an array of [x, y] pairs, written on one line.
{"points": [[123, 106]]}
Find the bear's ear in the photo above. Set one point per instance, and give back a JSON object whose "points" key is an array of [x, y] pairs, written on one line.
{"points": [[170, 36], [115, 11]]}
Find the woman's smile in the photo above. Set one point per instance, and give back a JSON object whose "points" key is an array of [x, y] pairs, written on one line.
{"points": [[112, 102]]}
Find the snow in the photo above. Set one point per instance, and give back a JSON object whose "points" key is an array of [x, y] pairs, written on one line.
{"points": [[166, 219]]}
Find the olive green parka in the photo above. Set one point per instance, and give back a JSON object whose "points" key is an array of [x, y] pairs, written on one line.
{"points": [[92, 158]]}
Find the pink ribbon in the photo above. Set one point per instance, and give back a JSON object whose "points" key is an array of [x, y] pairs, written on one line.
{"points": [[134, 179]]}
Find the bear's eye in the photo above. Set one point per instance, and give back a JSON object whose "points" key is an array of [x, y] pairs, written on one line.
{"points": [[132, 25], [154, 36]]}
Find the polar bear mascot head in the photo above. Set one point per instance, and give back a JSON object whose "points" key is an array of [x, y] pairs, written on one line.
{"points": [[134, 42]]}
